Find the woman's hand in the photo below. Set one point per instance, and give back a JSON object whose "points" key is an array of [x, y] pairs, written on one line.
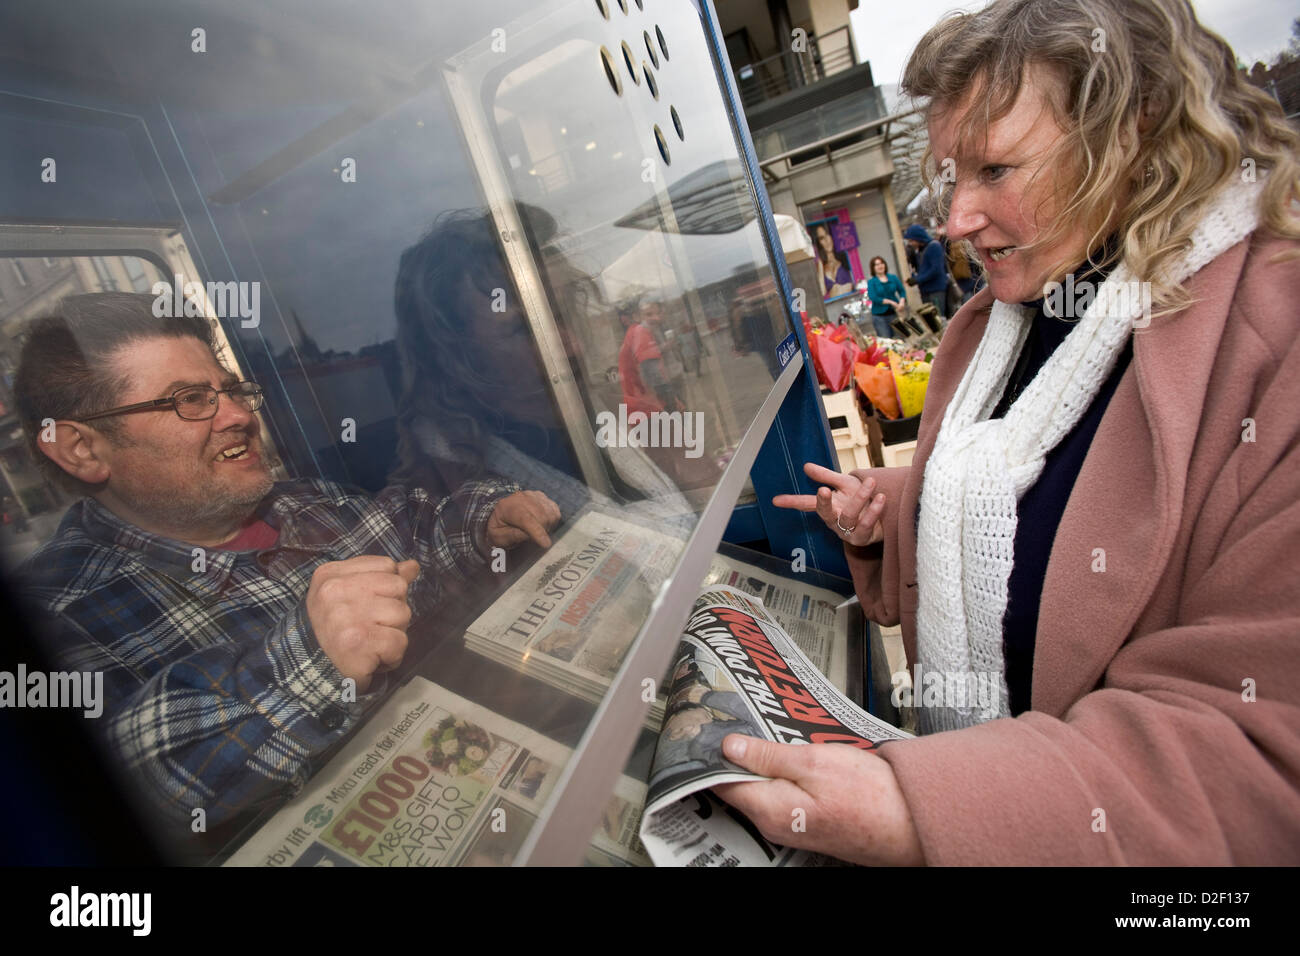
{"points": [[846, 506], [830, 798]]}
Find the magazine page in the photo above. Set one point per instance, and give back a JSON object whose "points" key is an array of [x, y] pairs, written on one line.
{"points": [[434, 780], [736, 671]]}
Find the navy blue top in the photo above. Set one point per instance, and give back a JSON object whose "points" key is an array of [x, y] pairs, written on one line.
{"points": [[932, 274], [1039, 512]]}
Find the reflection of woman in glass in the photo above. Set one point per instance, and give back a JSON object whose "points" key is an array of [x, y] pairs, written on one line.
{"points": [[470, 370], [475, 394], [836, 277]]}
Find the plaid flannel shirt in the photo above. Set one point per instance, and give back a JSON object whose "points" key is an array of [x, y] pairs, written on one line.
{"points": [[216, 692]]}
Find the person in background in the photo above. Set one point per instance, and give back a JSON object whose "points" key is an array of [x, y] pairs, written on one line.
{"points": [[647, 385], [837, 279], [691, 346], [931, 275], [963, 270], [740, 337], [887, 295], [650, 387], [1101, 522], [955, 297]]}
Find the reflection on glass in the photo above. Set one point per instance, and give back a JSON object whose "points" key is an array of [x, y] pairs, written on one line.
{"points": [[672, 232], [486, 407], [523, 252]]}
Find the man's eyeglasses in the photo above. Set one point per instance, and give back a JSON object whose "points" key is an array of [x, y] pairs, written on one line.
{"points": [[193, 403]]}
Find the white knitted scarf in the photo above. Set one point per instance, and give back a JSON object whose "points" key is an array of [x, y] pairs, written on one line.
{"points": [[981, 467]]}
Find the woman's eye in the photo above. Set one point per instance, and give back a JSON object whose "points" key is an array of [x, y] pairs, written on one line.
{"points": [[994, 173]]}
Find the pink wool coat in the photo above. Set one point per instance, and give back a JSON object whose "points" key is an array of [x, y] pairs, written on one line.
{"points": [[1166, 689]]}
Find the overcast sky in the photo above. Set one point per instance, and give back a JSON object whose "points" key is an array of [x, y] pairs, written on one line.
{"points": [[886, 30]]}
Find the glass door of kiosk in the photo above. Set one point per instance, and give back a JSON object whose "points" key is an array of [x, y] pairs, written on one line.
{"points": [[515, 243]]}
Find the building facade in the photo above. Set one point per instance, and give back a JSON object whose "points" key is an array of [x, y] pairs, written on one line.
{"points": [[834, 147]]}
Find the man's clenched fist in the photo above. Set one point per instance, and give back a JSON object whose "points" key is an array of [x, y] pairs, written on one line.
{"points": [[359, 612]]}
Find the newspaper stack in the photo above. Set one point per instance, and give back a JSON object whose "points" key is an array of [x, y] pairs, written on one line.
{"points": [[435, 780], [570, 620]]}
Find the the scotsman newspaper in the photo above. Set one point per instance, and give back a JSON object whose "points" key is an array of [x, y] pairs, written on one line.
{"points": [[569, 620], [436, 780]]}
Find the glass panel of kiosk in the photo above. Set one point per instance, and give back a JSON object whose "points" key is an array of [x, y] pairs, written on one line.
{"points": [[508, 242]]}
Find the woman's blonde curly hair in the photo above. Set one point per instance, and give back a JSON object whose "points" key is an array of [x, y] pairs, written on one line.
{"points": [[1156, 118]]}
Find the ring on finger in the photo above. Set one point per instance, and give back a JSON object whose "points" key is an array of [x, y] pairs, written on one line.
{"points": [[841, 527]]}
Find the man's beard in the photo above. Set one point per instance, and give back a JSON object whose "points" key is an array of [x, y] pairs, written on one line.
{"points": [[215, 509]]}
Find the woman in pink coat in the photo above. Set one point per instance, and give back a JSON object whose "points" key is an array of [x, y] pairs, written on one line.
{"points": [[1093, 555]]}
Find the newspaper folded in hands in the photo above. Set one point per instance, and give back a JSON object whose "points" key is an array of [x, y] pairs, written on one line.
{"points": [[737, 671]]}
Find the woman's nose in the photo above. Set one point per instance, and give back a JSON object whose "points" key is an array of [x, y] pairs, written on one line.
{"points": [[965, 217]]}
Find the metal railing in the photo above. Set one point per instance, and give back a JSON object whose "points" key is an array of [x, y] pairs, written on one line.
{"points": [[820, 57], [881, 124]]}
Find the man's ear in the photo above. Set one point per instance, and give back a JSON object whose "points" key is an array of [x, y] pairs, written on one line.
{"points": [[77, 449]]}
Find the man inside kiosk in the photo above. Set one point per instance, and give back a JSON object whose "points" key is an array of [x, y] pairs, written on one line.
{"points": [[242, 625]]}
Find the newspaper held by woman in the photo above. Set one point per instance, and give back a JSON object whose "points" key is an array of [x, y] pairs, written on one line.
{"points": [[737, 671]]}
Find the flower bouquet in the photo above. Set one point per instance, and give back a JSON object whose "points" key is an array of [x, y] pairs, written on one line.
{"points": [[893, 378]]}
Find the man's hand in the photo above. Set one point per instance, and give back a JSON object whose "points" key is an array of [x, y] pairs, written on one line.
{"points": [[521, 516], [852, 807], [846, 506], [359, 612]]}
